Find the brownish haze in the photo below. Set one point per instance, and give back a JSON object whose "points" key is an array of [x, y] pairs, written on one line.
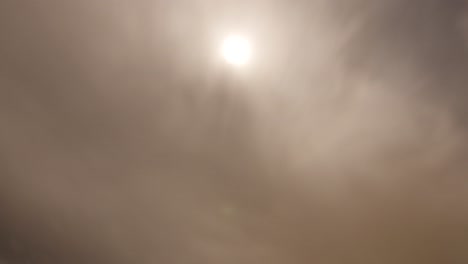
{"points": [[125, 139]]}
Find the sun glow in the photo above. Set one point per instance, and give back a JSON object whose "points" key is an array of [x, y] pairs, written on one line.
{"points": [[236, 50]]}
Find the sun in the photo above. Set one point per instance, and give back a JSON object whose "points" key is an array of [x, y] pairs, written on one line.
{"points": [[236, 50]]}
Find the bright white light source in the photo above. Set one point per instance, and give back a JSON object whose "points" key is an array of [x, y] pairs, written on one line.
{"points": [[236, 50]]}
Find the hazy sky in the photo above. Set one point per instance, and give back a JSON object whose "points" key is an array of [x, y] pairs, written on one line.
{"points": [[126, 138]]}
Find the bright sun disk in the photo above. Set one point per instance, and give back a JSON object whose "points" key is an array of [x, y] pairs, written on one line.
{"points": [[236, 50]]}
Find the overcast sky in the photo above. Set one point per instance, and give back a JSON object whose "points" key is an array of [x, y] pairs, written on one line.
{"points": [[125, 137]]}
